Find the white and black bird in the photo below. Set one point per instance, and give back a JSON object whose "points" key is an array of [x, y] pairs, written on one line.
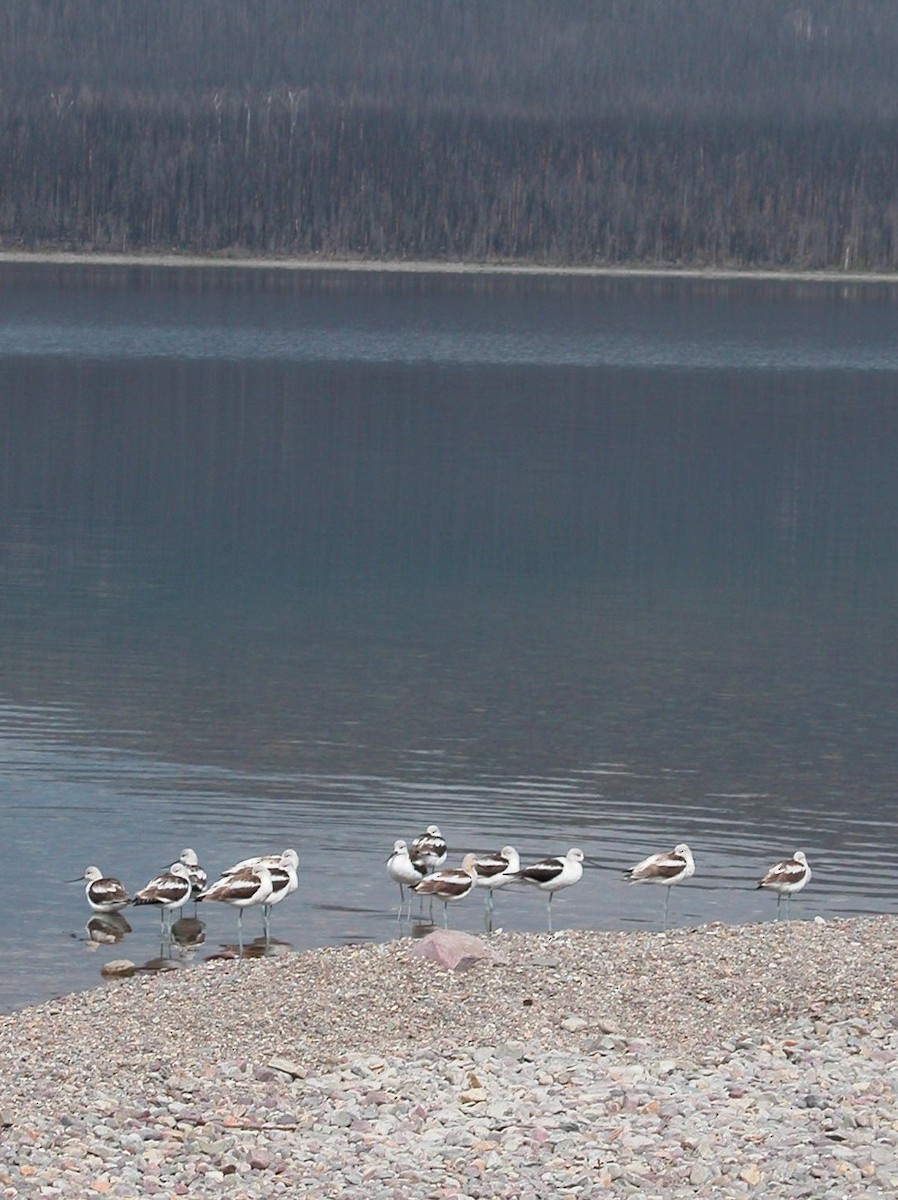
{"points": [[104, 894], [264, 860], [403, 871], [168, 891], [284, 871], [198, 877], [786, 878], [429, 849], [247, 887], [449, 884], [495, 870], [552, 874], [664, 870]]}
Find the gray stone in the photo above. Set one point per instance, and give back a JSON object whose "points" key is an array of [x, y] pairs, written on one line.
{"points": [[287, 1066], [118, 968]]}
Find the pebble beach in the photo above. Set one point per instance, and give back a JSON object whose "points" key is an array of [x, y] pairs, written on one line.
{"points": [[719, 1061]]}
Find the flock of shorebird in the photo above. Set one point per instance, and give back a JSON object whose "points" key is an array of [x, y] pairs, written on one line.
{"points": [[419, 868], [267, 879], [264, 880]]}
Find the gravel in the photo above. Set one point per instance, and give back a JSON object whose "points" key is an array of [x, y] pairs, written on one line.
{"points": [[722, 1061]]}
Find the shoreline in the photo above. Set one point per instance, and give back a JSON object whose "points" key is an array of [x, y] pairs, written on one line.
{"points": [[870, 973], [424, 267], [692, 1063]]}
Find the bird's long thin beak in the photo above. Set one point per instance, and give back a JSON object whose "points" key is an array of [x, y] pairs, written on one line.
{"points": [[80, 879]]}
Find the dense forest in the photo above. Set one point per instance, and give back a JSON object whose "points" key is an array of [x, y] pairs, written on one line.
{"points": [[728, 132]]}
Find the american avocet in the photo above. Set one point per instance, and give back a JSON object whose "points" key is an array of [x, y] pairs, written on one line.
{"points": [[168, 891], [449, 884], [284, 870], [258, 860], [496, 870], [664, 869], [104, 894], [245, 888], [429, 849], [403, 871], [552, 874], [198, 877], [786, 878]]}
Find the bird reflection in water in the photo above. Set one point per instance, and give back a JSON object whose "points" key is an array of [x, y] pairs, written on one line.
{"points": [[178, 945], [163, 962], [260, 947], [105, 929], [187, 933]]}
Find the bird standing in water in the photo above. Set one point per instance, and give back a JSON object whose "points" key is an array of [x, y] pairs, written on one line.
{"points": [[665, 870], [449, 884], [786, 878], [429, 849], [403, 871], [168, 891], [495, 871], [284, 870], [552, 874], [246, 888], [104, 894]]}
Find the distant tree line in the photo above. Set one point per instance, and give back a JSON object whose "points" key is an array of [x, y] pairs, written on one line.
{"points": [[740, 132]]}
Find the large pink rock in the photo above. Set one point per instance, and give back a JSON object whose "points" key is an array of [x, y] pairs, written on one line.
{"points": [[455, 951]]}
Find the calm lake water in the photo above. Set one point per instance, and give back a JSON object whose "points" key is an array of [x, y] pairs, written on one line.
{"points": [[316, 559]]}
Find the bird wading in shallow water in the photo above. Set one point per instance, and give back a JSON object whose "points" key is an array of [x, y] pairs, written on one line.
{"points": [[198, 877], [284, 871], [403, 871], [245, 888], [104, 894], [786, 878], [449, 884], [429, 849], [495, 870], [665, 870], [168, 891], [552, 874]]}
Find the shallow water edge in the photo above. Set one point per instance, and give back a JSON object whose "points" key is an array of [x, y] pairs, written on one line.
{"points": [[412, 267]]}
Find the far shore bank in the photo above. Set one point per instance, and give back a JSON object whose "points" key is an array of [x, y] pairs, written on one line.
{"points": [[416, 267]]}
